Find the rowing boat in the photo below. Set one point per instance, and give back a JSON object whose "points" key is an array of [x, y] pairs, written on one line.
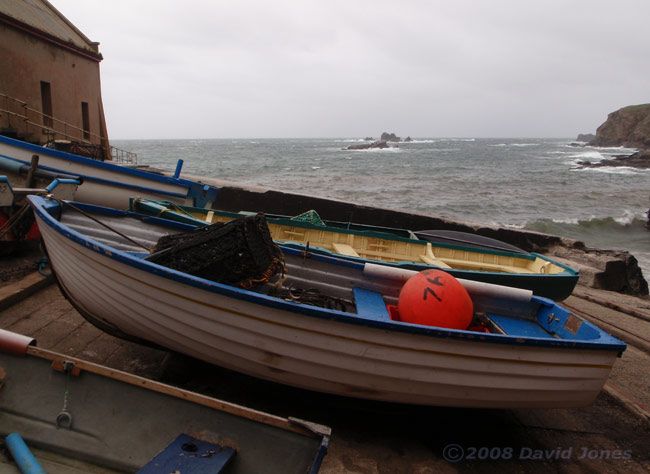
{"points": [[76, 416], [394, 247], [535, 353], [104, 183]]}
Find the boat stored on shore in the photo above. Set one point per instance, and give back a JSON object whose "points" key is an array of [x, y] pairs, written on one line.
{"points": [[394, 247], [542, 356], [83, 417], [104, 183]]}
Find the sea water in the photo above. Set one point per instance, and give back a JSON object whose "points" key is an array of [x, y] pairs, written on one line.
{"points": [[534, 184]]}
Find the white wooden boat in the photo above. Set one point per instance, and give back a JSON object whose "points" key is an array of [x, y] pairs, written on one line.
{"points": [[538, 355], [80, 417], [104, 183]]}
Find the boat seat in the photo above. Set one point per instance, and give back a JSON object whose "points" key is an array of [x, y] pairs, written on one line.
{"points": [[430, 259], [370, 304], [189, 455], [345, 249], [519, 327], [491, 267]]}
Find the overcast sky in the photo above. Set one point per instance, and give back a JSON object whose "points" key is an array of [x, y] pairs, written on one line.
{"points": [[329, 68]]}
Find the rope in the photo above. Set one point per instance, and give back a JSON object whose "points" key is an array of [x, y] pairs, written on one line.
{"points": [[13, 220], [42, 263], [84, 213]]}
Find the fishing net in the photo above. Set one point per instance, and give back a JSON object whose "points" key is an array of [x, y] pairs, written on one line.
{"points": [[238, 253], [313, 297], [310, 217]]}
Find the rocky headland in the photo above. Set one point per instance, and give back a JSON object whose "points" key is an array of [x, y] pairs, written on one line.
{"points": [[627, 127]]}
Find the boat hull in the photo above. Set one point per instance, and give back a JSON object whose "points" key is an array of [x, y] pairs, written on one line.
{"points": [[121, 421], [105, 183], [299, 345]]}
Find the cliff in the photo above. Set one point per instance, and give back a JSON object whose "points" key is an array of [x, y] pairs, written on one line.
{"points": [[629, 126]]}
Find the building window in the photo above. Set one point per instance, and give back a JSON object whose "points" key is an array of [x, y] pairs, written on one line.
{"points": [[85, 120], [46, 104]]}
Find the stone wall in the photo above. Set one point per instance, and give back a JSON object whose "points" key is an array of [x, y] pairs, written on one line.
{"points": [[612, 270]]}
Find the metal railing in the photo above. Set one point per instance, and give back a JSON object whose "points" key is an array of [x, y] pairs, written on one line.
{"points": [[123, 156], [19, 114]]}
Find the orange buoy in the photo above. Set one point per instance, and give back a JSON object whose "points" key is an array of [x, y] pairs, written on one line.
{"points": [[435, 298]]}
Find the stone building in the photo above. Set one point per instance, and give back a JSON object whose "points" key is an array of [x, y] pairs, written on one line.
{"points": [[50, 88]]}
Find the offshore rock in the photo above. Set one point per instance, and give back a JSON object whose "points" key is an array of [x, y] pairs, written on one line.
{"points": [[365, 146], [629, 126], [586, 137], [390, 137]]}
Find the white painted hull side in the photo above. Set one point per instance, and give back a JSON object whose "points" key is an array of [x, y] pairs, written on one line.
{"points": [[320, 354], [108, 186]]}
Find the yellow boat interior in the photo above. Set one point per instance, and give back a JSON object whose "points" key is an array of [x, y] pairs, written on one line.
{"points": [[374, 247]]}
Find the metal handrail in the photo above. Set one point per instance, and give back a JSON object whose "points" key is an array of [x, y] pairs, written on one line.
{"points": [[116, 154], [123, 156]]}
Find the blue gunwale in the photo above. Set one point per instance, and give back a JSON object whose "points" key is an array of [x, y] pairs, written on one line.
{"points": [[109, 182], [43, 208], [89, 161]]}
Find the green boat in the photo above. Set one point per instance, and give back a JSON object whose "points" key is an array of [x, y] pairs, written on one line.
{"points": [[394, 247], [72, 416]]}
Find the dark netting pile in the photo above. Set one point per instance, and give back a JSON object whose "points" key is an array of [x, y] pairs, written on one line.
{"points": [[312, 297], [238, 253]]}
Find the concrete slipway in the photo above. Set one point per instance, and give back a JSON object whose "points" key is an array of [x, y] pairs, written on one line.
{"points": [[612, 435]]}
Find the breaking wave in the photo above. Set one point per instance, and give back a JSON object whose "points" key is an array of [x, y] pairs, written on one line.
{"points": [[599, 229]]}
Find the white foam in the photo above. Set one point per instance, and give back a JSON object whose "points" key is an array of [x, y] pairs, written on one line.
{"points": [[622, 170], [590, 155], [513, 226], [571, 220], [616, 149], [390, 149], [627, 218]]}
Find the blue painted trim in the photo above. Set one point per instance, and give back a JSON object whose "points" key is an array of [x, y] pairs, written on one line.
{"points": [[4, 179], [203, 194], [11, 164], [320, 455], [179, 167], [98, 164], [603, 342], [50, 187], [109, 182]]}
